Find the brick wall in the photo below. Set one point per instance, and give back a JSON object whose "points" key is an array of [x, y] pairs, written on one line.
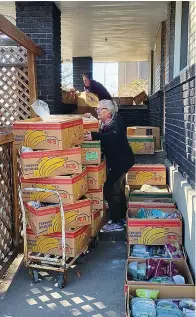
{"points": [[41, 22], [81, 65], [192, 33], [180, 126], [155, 112], [169, 43], [134, 117]]}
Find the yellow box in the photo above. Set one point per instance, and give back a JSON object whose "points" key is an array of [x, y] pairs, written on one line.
{"points": [[141, 174], [96, 175], [54, 134], [70, 187], [75, 241], [91, 152], [142, 144], [38, 164], [96, 196], [47, 219]]}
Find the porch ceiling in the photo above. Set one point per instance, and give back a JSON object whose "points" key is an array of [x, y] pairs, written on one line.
{"points": [[130, 28]]}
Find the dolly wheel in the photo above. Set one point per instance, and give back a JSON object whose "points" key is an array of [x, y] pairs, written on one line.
{"points": [[62, 280], [35, 276]]}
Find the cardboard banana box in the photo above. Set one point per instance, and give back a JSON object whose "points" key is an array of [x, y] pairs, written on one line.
{"points": [[142, 144], [47, 219], [164, 194], [38, 164], [165, 292], [75, 239], [70, 187], [91, 152], [151, 174], [96, 196], [96, 175], [54, 134], [154, 231], [181, 265], [97, 216], [135, 206], [89, 124], [145, 130]]}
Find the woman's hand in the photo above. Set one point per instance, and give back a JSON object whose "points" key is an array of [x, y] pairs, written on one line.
{"points": [[87, 136]]}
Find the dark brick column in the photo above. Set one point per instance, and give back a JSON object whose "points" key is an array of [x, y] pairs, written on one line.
{"points": [[41, 21], [80, 66]]}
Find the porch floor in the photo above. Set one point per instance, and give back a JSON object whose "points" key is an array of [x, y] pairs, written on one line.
{"points": [[98, 292]]}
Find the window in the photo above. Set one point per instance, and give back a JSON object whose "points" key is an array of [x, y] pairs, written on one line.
{"points": [[184, 34], [107, 75], [181, 36]]}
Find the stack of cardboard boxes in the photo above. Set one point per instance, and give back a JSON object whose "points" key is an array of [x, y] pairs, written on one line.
{"points": [[154, 232], [56, 160]]}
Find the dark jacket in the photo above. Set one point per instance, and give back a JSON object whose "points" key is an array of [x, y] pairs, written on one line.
{"points": [[119, 155], [98, 89]]}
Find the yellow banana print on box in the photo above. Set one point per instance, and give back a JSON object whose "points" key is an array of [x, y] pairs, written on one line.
{"points": [[44, 245], [41, 196], [48, 165], [32, 138], [136, 146], [57, 224], [143, 177], [149, 235]]}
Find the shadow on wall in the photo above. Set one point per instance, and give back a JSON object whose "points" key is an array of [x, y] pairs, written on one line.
{"points": [[185, 198]]}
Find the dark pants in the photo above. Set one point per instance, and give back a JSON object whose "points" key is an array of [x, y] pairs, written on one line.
{"points": [[115, 196]]}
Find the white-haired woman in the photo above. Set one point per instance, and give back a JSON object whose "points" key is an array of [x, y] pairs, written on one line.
{"points": [[119, 159]]}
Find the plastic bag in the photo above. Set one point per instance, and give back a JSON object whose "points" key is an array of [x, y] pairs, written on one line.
{"points": [[147, 293], [143, 307], [187, 303], [41, 109], [25, 149]]}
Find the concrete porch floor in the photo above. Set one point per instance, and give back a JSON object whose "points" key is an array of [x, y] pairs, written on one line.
{"points": [[99, 292]]}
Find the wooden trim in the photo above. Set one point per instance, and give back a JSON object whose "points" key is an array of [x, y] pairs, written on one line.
{"points": [[17, 35], [32, 80], [6, 138], [16, 224]]}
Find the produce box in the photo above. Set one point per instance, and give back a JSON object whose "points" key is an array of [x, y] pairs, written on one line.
{"points": [[47, 219], [97, 216], [130, 256], [54, 134], [154, 231], [90, 124], [91, 152], [141, 174], [146, 130], [70, 187], [87, 103], [126, 101], [75, 241], [140, 98], [135, 206], [142, 144], [96, 196], [38, 164], [166, 194], [165, 292], [96, 175], [181, 266]]}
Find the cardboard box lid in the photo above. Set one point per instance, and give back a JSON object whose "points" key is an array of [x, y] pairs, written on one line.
{"points": [[143, 127], [51, 209], [68, 179], [150, 205], [69, 233], [55, 123], [91, 144], [144, 167], [96, 168], [51, 153]]}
